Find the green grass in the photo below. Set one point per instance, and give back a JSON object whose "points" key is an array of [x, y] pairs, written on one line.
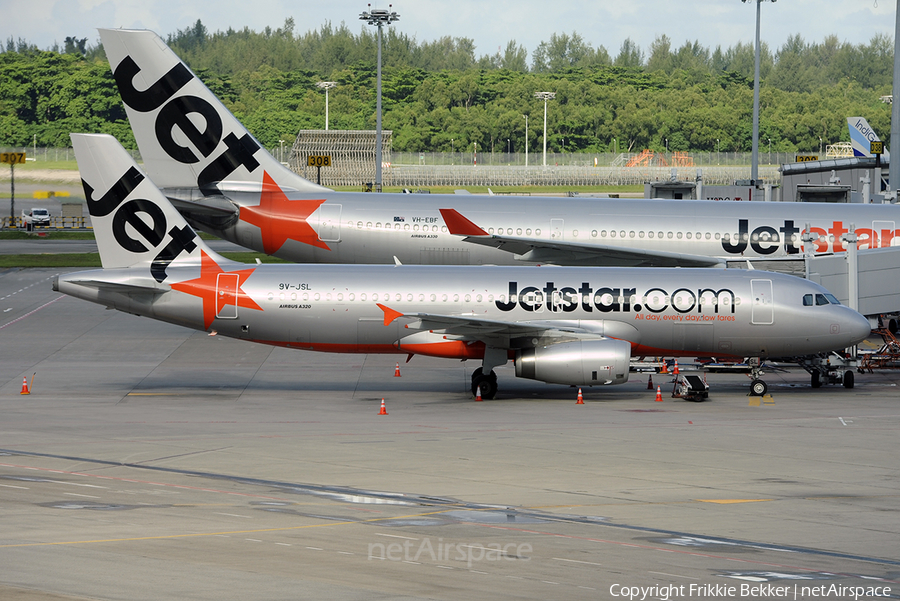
{"points": [[88, 260], [54, 235]]}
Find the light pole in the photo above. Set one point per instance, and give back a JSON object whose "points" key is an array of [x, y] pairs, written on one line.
{"points": [[326, 85], [616, 143], [667, 145], [770, 150], [281, 152], [820, 147], [526, 139], [754, 168], [717, 151], [379, 17], [545, 96]]}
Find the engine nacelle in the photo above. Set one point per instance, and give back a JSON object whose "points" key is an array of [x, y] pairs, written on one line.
{"points": [[580, 363]]}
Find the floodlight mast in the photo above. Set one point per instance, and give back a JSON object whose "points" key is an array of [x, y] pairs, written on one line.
{"points": [[379, 17], [545, 96], [754, 168], [326, 85]]}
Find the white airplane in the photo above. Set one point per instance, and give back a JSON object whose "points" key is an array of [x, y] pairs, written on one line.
{"points": [[861, 136], [225, 183], [566, 325]]}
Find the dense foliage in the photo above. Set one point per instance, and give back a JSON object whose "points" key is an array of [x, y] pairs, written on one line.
{"points": [[438, 96]]}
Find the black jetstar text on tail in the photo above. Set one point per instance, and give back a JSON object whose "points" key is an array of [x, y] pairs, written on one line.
{"points": [[763, 240], [128, 213], [618, 300], [176, 112]]}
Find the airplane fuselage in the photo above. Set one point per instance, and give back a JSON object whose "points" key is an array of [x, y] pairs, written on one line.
{"points": [[340, 309], [355, 227]]}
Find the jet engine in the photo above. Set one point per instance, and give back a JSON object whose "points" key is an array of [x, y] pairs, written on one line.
{"points": [[579, 363]]}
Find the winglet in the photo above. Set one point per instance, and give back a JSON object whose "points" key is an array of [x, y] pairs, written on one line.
{"points": [[389, 314], [459, 225]]}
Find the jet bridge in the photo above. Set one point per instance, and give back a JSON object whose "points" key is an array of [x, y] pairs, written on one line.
{"points": [[879, 279]]}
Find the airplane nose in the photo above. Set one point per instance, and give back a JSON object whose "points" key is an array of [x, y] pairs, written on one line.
{"points": [[858, 327]]}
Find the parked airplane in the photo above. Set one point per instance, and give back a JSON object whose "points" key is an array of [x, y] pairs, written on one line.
{"points": [[861, 135], [225, 183], [566, 325]]}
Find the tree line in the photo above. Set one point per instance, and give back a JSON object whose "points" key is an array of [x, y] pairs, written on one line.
{"points": [[439, 96]]}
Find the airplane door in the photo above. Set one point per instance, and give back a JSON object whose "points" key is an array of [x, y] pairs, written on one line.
{"points": [[762, 310], [226, 295], [556, 229], [330, 223], [884, 230]]}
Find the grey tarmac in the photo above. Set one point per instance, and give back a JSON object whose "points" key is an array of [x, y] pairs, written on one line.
{"points": [[151, 461]]}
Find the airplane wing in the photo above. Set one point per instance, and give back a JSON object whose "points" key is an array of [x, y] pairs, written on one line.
{"points": [[572, 253], [502, 332]]}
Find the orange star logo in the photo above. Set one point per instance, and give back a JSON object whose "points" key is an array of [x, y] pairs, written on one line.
{"points": [[280, 219], [217, 294]]}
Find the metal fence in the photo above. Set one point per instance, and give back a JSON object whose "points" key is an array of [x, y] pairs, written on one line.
{"points": [[418, 169]]}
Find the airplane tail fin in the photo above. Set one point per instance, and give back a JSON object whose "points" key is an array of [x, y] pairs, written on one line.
{"points": [[187, 137], [134, 223], [861, 135]]}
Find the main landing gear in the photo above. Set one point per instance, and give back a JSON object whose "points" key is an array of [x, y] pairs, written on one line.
{"points": [[488, 384]]}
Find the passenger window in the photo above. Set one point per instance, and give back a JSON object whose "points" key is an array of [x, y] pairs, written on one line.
{"points": [[593, 233], [281, 296]]}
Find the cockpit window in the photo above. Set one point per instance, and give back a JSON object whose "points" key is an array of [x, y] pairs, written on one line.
{"points": [[820, 299]]}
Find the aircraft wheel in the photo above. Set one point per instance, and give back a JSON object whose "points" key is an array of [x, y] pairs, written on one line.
{"points": [[815, 380], [758, 388], [848, 379], [488, 386]]}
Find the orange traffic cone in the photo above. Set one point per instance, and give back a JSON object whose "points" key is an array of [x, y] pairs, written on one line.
{"points": [[580, 400], [25, 386], [675, 371], [383, 410], [658, 395], [478, 393], [650, 383], [397, 371], [665, 368]]}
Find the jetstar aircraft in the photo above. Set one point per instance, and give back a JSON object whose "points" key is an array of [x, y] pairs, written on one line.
{"points": [[225, 183], [566, 325]]}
